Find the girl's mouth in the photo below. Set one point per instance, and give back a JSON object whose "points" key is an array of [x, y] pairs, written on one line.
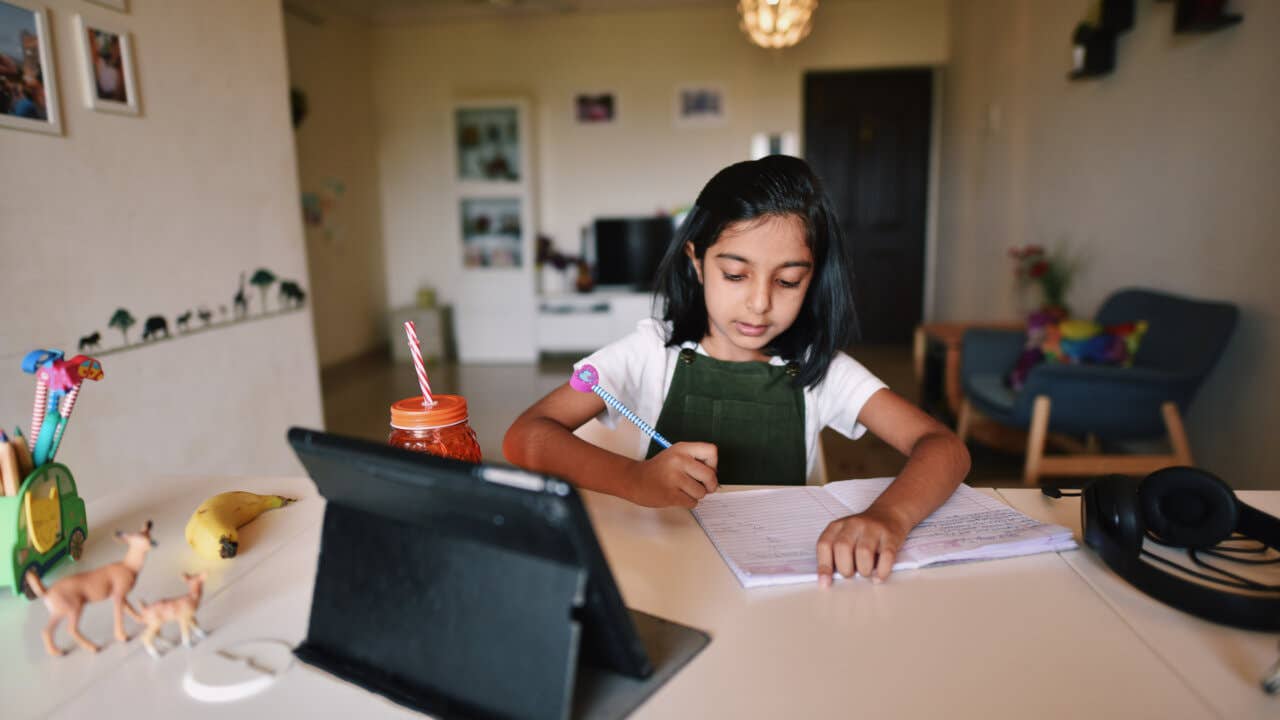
{"points": [[751, 330]]}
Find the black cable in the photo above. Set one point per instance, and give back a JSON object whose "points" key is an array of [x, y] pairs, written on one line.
{"points": [[1237, 581], [1246, 582], [1219, 549], [1193, 573], [1056, 493], [1259, 548], [1220, 552]]}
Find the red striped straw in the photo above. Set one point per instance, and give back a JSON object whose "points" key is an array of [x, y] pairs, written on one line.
{"points": [[416, 350]]}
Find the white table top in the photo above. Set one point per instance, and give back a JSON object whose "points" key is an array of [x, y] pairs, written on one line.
{"points": [[1223, 665], [1016, 638]]}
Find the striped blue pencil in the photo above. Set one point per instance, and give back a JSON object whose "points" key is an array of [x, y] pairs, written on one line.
{"points": [[587, 379]]}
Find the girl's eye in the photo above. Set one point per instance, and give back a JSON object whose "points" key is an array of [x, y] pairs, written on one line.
{"points": [[786, 284], [734, 278]]}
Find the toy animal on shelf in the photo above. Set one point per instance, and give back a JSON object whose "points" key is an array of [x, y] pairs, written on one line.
{"points": [[155, 325], [67, 597], [291, 293], [241, 302], [181, 609]]}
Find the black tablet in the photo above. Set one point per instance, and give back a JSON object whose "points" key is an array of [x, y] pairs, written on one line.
{"points": [[458, 589]]}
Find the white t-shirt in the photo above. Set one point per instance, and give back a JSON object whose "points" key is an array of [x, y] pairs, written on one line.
{"points": [[638, 369]]}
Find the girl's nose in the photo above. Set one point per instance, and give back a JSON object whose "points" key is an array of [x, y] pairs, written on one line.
{"points": [[758, 300]]}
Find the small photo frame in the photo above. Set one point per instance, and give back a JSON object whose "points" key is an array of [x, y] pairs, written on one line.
{"points": [[28, 81], [118, 5], [700, 106], [106, 62], [491, 233], [595, 108]]}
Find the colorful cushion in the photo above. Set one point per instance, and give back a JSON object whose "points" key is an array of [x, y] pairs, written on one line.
{"points": [[1075, 342]]}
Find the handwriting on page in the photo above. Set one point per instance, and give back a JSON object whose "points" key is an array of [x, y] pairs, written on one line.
{"points": [[770, 537], [767, 532], [968, 521]]}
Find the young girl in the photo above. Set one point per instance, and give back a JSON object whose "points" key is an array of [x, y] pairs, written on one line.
{"points": [[746, 370]]}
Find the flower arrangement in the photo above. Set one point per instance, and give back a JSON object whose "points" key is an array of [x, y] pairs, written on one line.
{"points": [[1051, 272], [548, 255]]}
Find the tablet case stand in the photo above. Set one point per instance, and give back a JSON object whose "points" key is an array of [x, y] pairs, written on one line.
{"points": [[453, 627]]}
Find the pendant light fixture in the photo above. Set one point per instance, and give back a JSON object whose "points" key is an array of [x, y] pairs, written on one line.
{"points": [[776, 23]]}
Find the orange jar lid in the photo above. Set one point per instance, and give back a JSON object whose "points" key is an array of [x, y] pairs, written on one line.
{"points": [[411, 414]]}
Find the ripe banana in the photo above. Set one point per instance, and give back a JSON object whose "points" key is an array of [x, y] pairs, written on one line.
{"points": [[211, 531]]}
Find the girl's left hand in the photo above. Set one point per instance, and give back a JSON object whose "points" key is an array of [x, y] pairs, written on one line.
{"points": [[866, 543]]}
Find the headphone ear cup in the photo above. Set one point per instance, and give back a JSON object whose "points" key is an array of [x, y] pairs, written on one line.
{"points": [[1188, 507], [1110, 509]]}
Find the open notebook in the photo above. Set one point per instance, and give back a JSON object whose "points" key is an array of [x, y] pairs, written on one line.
{"points": [[768, 537]]}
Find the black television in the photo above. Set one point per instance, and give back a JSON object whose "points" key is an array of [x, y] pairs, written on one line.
{"points": [[626, 251]]}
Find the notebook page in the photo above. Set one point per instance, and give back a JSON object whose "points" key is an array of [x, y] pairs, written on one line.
{"points": [[970, 525], [767, 537]]}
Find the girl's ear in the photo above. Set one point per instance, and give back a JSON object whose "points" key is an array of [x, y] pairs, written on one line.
{"points": [[693, 260]]}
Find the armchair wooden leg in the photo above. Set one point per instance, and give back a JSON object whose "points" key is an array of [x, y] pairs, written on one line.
{"points": [[1035, 441], [1092, 462], [1177, 434], [965, 420]]}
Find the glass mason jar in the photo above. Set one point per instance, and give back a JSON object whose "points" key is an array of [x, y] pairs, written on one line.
{"points": [[441, 429]]}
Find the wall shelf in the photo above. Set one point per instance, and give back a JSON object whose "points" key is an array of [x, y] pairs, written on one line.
{"points": [[1094, 44], [1095, 52], [1200, 17]]}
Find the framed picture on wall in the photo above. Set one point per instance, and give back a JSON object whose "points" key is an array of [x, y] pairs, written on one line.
{"points": [[488, 144], [106, 62], [700, 106], [121, 5], [492, 234], [594, 108], [28, 82]]}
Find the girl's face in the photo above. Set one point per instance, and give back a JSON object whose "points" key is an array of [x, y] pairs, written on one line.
{"points": [[754, 279]]}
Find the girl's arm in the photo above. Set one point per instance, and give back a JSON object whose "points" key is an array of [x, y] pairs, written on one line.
{"points": [[542, 440], [937, 462]]}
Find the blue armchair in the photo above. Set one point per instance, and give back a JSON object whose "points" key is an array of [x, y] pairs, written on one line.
{"points": [[1183, 341]]}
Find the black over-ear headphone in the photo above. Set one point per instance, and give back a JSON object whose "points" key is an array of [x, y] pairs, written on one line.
{"points": [[1189, 508]]}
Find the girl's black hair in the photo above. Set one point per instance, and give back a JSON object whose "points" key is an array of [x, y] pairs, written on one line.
{"points": [[777, 185]]}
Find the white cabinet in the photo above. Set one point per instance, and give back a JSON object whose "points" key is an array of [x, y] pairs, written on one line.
{"points": [[587, 322], [495, 189]]}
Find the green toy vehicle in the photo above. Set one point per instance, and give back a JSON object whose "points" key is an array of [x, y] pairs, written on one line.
{"points": [[40, 525]]}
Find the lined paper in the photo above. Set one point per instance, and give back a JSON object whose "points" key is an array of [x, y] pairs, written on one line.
{"points": [[769, 537]]}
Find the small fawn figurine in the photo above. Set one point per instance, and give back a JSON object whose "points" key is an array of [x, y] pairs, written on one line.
{"points": [[67, 597], [181, 609]]}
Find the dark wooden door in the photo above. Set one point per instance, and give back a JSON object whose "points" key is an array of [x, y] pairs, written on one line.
{"points": [[866, 135]]}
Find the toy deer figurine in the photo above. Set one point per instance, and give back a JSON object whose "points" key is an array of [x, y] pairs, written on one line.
{"points": [[181, 609], [67, 597]]}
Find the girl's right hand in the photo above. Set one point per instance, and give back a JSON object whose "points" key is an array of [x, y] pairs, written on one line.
{"points": [[678, 476]]}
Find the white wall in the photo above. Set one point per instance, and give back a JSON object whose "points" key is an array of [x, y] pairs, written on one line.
{"points": [[1162, 175], [158, 214], [332, 63], [637, 165]]}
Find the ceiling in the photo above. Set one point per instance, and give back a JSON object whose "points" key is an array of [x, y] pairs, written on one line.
{"points": [[391, 11]]}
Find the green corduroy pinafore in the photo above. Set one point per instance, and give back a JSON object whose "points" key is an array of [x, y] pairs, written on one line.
{"points": [[750, 411]]}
